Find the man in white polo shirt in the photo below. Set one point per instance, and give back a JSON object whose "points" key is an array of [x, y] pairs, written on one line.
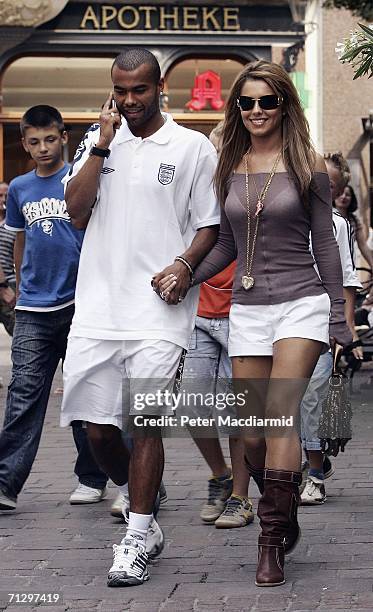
{"points": [[142, 186]]}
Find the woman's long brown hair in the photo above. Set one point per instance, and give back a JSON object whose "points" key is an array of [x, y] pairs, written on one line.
{"points": [[299, 153]]}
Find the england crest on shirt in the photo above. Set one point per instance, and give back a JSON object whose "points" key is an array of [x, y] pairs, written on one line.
{"points": [[166, 174]]}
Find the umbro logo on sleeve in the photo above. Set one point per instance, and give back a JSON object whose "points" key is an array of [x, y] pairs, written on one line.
{"points": [[107, 170]]}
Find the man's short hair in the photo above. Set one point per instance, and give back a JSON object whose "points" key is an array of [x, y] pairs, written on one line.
{"points": [[41, 116], [133, 58], [341, 164]]}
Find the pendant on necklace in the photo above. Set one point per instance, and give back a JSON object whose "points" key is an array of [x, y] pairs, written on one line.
{"points": [[259, 208], [247, 282]]}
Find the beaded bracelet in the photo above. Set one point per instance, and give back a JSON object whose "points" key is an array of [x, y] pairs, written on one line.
{"points": [[187, 264]]}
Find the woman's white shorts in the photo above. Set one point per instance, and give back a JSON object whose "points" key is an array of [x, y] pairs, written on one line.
{"points": [[253, 330]]}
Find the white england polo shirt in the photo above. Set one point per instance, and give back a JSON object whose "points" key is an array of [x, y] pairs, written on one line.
{"points": [[154, 194]]}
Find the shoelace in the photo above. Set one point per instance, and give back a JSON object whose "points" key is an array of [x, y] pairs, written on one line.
{"points": [[232, 506], [130, 553]]}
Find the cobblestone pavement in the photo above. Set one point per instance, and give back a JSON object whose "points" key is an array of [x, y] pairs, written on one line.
{"points": [[49, 546]]}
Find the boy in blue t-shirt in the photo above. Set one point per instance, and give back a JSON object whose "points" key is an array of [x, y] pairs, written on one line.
{"points": [[47, 249]]}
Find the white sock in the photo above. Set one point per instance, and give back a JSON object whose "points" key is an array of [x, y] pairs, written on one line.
{"points": [[138, 526]]}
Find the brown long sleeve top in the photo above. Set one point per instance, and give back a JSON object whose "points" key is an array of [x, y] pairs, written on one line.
{"points": [[283, 266]]}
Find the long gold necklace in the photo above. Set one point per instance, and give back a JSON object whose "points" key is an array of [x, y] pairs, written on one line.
{"points": [[247, 279]]}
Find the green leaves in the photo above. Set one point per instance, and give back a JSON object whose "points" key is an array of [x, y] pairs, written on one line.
{"points": [[358, 51]]}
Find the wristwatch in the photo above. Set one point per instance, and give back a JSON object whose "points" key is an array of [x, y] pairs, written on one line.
{"points": [[100, 152], [4, 284]]}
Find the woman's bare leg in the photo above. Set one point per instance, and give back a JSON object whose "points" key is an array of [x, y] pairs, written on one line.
{"points": [[257, 370], [294, 360]]}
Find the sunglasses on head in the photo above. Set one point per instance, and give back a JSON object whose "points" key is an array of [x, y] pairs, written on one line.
{"points": [[246, 103]]}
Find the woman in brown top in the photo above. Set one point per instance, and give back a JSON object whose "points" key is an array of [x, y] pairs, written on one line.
{"points": [[274, 192]]}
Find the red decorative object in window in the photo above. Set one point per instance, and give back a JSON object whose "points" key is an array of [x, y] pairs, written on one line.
{"points": [[207, 87]]}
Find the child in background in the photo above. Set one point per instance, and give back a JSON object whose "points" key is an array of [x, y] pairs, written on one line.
{"points": [[47, 250]]}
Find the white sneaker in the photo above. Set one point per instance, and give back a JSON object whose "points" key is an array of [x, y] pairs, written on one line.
{"points": [[87, 495], [7, 503], [314, 492], [154, 540], [120, 506], [154, 537], [130, 564]]}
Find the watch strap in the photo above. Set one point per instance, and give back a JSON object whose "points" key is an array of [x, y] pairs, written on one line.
{"points": [[100, 152]]}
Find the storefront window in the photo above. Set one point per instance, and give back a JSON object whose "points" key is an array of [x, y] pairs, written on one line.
{"points": [[74, 85], [78, 86], [186, 76], [71, 84]]}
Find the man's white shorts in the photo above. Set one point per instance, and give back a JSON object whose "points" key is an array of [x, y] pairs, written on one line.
{"points": [[254, 329], [97, 374]]}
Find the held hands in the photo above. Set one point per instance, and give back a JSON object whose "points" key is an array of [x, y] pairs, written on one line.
{"points": [[109, 122], [172, 283]]}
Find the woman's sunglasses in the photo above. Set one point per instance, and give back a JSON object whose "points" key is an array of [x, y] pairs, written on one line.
{"points": [[246, 103]]}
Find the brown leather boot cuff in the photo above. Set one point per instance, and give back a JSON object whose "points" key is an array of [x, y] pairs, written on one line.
{"points": [[283, 475]]}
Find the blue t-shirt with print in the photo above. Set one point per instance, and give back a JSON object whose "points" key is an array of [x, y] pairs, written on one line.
{"points": [[36, 204]]}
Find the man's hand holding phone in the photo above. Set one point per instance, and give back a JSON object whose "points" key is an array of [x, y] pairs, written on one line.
{"points": [[109, 122]]}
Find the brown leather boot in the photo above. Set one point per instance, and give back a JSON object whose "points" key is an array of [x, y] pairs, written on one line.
{"points": [[277, 511], [256, 473], [271, 558]]}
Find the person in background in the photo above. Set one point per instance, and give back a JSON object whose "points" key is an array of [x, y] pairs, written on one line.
{"points": [[346, 204], [317, 468], [228, 504], [47, 250]]}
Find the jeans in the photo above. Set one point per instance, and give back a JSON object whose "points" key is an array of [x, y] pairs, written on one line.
{"points": [[39, 342], [209, 345], [208, 370], [311, 406], [86, 467]]}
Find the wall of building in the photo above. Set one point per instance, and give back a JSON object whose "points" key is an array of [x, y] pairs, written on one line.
{"points": [[345, 102]]}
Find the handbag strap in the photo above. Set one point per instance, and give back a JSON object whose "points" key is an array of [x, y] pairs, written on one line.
{"points": [[336, 352]]}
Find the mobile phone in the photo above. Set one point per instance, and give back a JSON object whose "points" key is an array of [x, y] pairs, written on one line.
{"points": [[114, 108]]}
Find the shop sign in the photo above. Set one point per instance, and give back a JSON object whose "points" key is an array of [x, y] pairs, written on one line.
{"points": [[102, 17], [168, 17], [207, 88]]}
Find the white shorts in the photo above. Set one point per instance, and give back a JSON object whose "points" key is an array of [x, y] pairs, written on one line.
{"points": [[97, 374], [253, 330]]}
